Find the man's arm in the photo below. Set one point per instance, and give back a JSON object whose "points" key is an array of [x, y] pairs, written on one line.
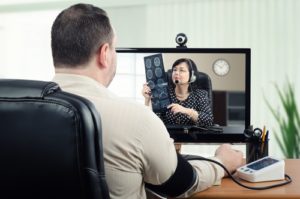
{"points": [[161, 162], [210, 173]]}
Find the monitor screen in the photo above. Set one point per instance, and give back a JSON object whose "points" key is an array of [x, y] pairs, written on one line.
{"points": [[227, 69]]}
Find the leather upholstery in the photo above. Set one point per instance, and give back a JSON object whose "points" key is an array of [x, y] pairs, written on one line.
{"points": [[50, 143]]}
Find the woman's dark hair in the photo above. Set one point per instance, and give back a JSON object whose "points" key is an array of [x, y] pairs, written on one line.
{"points": [[191, 65], [77, 33]]}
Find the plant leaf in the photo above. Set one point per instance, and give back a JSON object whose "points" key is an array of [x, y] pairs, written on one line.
{"points": [[288, 137]]}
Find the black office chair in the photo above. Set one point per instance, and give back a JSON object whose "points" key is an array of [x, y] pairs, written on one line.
{"points": [[50, 143], [203, 81]]}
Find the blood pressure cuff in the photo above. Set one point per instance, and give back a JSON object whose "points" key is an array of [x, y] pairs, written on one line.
{"points": [[181, 181]]}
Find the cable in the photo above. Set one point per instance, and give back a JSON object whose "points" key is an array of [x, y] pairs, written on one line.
{"points": [[287, 177]]}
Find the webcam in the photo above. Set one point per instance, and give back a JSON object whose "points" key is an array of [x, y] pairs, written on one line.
{"points": [[181, 40]]}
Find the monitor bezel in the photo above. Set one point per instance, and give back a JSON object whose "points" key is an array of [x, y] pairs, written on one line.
{"points": [[234, 136]]}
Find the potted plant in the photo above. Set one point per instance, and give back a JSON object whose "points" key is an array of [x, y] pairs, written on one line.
{"points": [[288, 136]]}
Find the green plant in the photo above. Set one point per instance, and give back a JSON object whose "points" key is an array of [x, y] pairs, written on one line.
{"points": [[288, 137]]}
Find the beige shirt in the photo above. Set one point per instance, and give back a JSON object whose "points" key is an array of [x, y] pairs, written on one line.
{"points": [[137, 146]]}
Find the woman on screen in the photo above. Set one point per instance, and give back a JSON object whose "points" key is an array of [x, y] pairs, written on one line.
{"points": [[190, 105]]}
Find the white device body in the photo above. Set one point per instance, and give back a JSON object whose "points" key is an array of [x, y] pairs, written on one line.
{"points": [[264, 169]]}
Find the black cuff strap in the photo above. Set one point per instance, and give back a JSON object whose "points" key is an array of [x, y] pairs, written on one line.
{"points": [[180, 182]]}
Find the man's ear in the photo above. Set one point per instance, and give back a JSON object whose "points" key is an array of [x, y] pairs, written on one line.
{"points": [[103, 55]]}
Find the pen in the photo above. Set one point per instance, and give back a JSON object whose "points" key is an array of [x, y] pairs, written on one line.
{"points": [[263, 145], [263, 133], [266, 136]]}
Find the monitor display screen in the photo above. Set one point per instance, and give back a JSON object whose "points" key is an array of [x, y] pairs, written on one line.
{"points": [[227, 69]]}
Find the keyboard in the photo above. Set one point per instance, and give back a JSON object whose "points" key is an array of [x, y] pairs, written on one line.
{"points": [[194, 128]]}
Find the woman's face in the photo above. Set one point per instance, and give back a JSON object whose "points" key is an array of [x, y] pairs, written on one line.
{"points": [[181, 73]]}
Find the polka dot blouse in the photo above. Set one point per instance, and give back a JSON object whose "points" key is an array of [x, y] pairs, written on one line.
{"points": [[197, 100]]}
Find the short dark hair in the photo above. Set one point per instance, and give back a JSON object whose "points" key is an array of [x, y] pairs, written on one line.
{"points": [[191, 65], [77, 33]]}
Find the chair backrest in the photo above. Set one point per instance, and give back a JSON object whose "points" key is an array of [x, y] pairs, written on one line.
{"points": [[50, 143], [203, 81]]}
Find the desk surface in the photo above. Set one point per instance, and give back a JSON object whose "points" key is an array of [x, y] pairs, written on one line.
{"points": [[229, 189]]}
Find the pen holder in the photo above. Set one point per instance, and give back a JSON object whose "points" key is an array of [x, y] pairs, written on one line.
{"points": [[256, 149]]}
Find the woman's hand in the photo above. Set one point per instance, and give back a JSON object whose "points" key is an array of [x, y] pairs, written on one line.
{"points": [[176, 108], [146, 92], [191, 113]]}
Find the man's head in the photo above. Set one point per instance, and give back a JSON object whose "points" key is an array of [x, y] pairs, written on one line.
{"points": [[81, 33]]}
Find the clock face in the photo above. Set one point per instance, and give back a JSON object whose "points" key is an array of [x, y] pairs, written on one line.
{"points": [[221, 67]]}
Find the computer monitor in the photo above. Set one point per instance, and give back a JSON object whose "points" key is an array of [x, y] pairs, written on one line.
{"points": [[228, 70]]}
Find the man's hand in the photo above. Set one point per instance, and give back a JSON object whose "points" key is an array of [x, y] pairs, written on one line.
{"points": [[231, 158]]}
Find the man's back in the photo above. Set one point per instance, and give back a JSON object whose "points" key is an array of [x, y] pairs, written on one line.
{"points": [[131, 134]]}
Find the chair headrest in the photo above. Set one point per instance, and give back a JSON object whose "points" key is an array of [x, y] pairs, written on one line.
{"points": [[13, 88]]}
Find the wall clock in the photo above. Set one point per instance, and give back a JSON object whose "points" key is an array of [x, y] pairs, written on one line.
{"points": [[221, 67]]}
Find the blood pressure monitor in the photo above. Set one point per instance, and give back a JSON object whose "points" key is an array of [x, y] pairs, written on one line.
{"points": [[265, 169]]}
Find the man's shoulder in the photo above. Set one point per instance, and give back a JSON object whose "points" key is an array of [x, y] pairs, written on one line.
{"points": [[138, 108], [128, 106]]}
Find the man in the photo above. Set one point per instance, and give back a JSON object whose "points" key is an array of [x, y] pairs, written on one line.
{"points": [[137, 146]]}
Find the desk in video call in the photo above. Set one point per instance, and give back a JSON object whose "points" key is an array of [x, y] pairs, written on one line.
{"points": [[231, 134]]}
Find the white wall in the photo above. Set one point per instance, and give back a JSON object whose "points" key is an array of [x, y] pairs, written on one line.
{"points": [[25, 45], [270, 28]]}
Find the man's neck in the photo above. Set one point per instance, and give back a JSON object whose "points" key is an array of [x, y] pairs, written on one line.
{"points": [[84, 71]]}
